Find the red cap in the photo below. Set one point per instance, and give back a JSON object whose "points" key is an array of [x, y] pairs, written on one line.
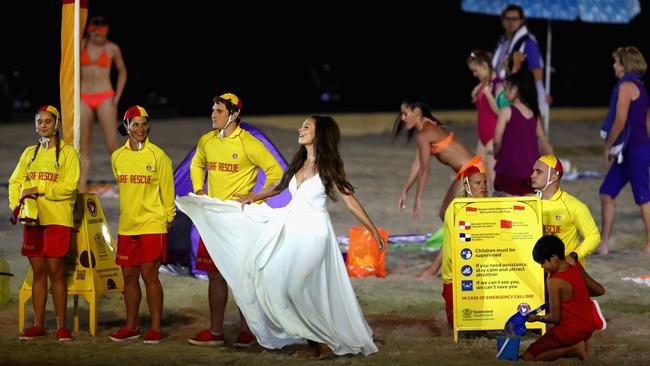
{"points": [[471, 171], [50, 109], [135, 111]]}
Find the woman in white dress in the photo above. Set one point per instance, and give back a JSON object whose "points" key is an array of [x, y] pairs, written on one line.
{"points": [[284, 265]]}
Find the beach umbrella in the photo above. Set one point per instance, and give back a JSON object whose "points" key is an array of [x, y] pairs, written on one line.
{"points": [[589, 11]]}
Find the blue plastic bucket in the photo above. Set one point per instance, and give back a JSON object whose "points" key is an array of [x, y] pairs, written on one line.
{"points": [[508, 348]]}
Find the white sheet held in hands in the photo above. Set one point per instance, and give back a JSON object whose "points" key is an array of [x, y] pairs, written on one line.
{"points": [[284, 268]]}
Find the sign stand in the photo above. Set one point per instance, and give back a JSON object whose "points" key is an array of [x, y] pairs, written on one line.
{"points": [[494, 274], [90, 267]]}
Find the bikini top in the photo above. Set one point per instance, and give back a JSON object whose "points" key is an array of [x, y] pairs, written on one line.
{"points": [[104, 60], [441, 145]]}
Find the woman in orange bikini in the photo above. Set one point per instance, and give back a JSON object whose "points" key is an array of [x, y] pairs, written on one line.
{"points": [[432, 139], [99, 100]]}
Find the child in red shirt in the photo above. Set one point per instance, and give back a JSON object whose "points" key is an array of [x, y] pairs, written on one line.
{"points": [[570, 307]]}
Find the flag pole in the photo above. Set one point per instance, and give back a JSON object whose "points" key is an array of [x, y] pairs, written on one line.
{"points": [[77, 75], [73, 21], [548, 75]]}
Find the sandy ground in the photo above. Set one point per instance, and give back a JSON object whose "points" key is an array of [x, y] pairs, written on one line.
{"points": [[407, 315]]}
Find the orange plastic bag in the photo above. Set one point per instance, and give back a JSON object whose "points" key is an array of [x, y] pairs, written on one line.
{"points": [[363, 257]]}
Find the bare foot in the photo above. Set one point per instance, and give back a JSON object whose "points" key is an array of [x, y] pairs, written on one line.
{"points": [[312, 352], [602, 249], [306, 354], [581, 350], [324, 352], [589, 348], [647, 249]]}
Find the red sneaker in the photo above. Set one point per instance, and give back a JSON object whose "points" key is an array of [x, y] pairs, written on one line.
{"points": [[63, 335], [599, 318], [245, 339], [31, 333], [124, 334], [153, 337], [206, 338]]}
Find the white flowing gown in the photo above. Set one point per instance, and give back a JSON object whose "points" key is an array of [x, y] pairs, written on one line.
{"points": [[285, 269]]}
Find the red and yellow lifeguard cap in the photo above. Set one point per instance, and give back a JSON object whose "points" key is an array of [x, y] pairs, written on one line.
{"points": [[52, 109], [232, 99], [135, 111], [552, 162], [476, 163], [471, 171]]}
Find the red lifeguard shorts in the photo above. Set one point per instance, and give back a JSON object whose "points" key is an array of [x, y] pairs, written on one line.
{"points": [[203, 260], [51, 241], [448, 295], [133, 250]]}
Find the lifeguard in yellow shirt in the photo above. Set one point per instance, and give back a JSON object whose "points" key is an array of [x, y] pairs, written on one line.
{"points": [[49, 173], [562, 214], [232, 158], [475, 184], [146, 184]]}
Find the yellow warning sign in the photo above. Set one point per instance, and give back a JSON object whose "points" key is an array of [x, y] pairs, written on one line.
{"points": [[494, 274], [90, 267]]}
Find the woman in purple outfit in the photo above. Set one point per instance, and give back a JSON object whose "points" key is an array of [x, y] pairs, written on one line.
{"points": [[515, 138], [627, 146]]}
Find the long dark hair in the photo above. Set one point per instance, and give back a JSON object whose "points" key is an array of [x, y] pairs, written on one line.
{"points": [[525, 83], [412, 103], [58, 138], [328, 160]]}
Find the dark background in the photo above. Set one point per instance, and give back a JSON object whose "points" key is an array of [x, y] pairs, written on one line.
{"points": [[180, 54]]}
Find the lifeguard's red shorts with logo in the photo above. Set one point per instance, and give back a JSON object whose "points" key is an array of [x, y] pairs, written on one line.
{"points": [[203, 260], [51, 241], [133, 250]]}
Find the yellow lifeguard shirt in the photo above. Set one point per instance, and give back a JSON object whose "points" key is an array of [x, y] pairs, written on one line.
{"points": [[232, 164], [447, 270], [57, 184], [146, 183], [568, 218]]}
